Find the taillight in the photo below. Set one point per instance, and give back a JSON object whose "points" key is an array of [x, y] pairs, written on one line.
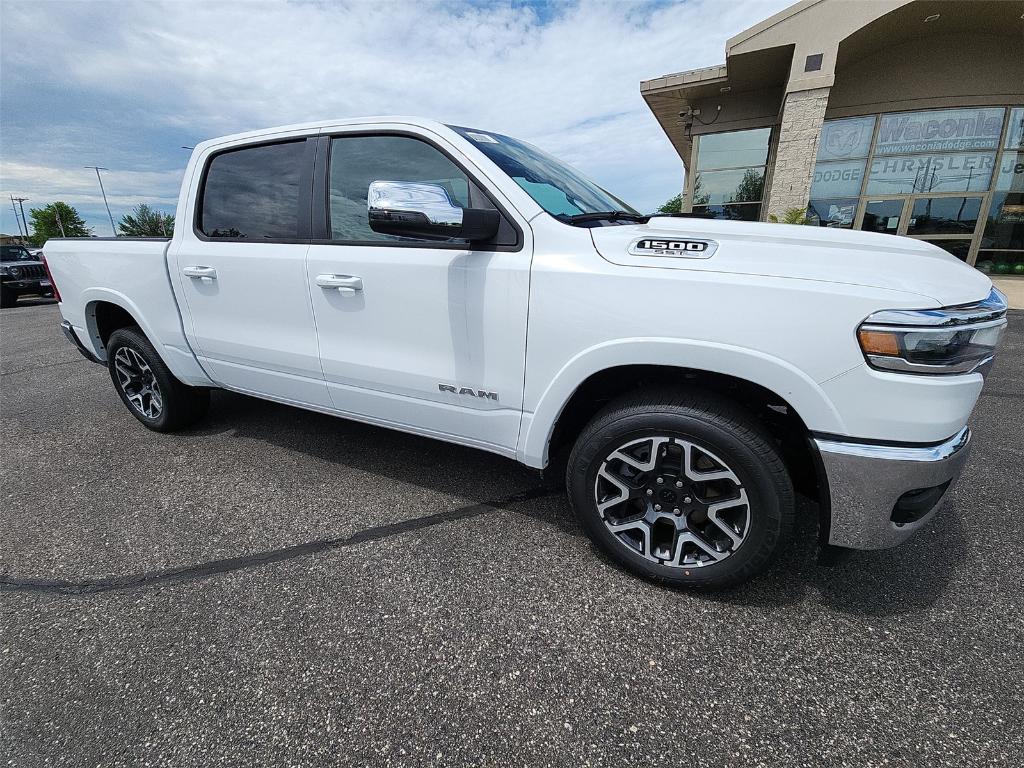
{"points": [[53, 283]]}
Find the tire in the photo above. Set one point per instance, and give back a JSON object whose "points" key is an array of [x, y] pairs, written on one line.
{"points": [[146, 386], [8, 297], [725, 502]]}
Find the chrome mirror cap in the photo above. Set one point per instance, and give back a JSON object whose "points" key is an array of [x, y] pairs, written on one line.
{"points": [[413, 206]]}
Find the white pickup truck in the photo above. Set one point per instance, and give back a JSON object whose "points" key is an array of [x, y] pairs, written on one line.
{"points": [[685, 374]]}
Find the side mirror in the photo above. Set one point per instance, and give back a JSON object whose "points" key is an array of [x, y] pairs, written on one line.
{"points": [[420, 209]]}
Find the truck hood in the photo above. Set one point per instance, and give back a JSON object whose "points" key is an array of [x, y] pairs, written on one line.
{"points": [[804, 253]]}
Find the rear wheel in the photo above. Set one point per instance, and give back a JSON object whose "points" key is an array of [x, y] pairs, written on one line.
{"points": [[148, 388], [683, 488]]}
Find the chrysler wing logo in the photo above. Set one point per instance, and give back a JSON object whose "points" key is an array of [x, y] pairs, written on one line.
{"points": [[674, 248], [467, 391]]}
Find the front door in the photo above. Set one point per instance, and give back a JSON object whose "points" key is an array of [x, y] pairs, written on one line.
{"points": [[949, 221], [242, 273], [429, 336]]}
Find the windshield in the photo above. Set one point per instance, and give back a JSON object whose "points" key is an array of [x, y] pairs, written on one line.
{"points": [[556, 187], [15, 253]]}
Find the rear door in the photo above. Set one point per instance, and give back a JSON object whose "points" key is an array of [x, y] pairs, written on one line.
{"points": [[240, 269], [434, 338]]}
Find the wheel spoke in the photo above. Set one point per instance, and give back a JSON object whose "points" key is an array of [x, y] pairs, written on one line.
{"points": [[688, 537], [702, 476], [642, 466], [634, 525], [715, 509], [622, 488]]}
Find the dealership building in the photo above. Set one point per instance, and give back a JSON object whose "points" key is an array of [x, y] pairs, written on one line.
{"points": [[896, 116]]}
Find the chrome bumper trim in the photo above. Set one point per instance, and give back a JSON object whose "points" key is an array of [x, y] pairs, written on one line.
{"points": [[865, 481], [72, 337]]}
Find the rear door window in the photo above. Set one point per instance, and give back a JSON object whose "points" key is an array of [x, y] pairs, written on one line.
{"points": [[253, 193]]}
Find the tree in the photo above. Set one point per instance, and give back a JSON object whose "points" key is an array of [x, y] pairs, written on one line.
{"points": [[700, 197], [750, 187], [672, 205], [143, 221], [55, 220]]}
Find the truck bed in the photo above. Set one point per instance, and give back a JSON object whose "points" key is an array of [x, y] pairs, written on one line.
{"points": [[130, 273]]}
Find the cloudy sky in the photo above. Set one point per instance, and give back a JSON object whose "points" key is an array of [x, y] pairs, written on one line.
{"points": [[126, 84]]}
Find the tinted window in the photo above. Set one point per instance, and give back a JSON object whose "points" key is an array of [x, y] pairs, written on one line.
{"points": [[253, 193], [358, 161]]}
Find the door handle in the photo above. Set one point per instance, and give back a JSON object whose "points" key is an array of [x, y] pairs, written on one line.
{"points": [[347, 285], [203, 273]]}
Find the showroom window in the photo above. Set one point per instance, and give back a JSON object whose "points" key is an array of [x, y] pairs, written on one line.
{"points": [[839, 171], [1002, 245], [952, 177], [730, 173]]}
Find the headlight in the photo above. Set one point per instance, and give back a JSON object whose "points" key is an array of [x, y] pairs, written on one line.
{"points": [[950, 340], [14, 272]]}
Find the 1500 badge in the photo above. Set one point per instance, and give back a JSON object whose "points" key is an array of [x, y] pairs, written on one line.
{"points": [[679, 249]]}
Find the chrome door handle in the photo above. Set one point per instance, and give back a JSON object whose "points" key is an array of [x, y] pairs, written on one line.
{"points": [[203, 273], [346, 284]]}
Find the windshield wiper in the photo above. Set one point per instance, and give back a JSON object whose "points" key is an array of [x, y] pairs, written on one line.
{"points": [[581, 218]]}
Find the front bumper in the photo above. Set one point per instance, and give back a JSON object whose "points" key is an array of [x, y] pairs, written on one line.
{"points": [[881, 494]]}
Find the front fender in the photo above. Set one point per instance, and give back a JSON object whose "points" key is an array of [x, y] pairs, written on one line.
{"points": [[774, 374]]}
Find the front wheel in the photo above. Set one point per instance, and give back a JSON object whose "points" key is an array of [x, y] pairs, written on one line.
{"points": [[148, 388], [682, 488], [8, 297]]}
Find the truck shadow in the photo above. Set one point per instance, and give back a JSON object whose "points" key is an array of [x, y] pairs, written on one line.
{"points": [[890, 582]]}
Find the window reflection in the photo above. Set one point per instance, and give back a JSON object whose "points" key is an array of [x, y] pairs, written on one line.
{"points": [[734, 211], [729, 183], [909, 174], [1005, 225], [944, 216], [838, 214], [735, 186], [734, 149], [882, 216]]}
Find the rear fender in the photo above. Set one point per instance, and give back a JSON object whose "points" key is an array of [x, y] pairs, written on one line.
{"points": [[175, 353]]}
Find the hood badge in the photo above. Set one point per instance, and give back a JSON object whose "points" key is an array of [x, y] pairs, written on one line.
{"points": [[687, 248]]}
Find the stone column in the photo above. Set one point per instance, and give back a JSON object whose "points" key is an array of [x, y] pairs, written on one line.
{"points": [[802, 116]]}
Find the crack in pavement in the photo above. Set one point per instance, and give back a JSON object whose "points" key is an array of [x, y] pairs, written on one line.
{"points": [[188, 573]]}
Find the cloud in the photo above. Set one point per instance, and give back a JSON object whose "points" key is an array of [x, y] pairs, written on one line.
{"points": [[125, 85]]}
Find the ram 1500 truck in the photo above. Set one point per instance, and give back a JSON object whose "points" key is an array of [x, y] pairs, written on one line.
{"points": [[686, 375]]}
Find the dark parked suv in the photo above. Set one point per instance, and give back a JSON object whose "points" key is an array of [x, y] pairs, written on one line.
{"points": [[21, 273]]}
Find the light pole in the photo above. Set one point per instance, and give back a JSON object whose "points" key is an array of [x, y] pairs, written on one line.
{"points": [[99, 178], [21, 232], [21, 204]]}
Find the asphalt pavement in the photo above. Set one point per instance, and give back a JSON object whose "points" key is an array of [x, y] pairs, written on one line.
{"points": [[278, 587]]}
